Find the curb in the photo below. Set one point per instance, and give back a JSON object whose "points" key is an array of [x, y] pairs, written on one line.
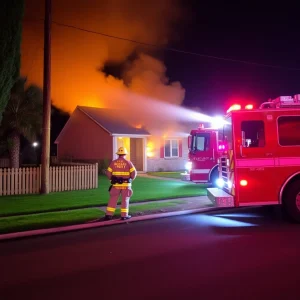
{"points": [[38, 232]]}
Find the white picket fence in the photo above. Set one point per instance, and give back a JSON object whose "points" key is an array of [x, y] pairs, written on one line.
{"points": [[62, 178]]}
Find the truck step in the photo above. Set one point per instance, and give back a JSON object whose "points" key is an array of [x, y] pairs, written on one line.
{"points": [[220, 198]]}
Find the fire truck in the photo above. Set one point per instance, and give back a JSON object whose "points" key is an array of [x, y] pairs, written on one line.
{"points": [[204, 149], [261, 165]]}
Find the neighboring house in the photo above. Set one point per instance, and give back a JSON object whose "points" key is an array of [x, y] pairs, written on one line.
{"points": [[95, 134]]}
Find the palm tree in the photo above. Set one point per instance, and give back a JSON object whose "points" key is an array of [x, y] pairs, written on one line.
{"points": [[22, 117]]}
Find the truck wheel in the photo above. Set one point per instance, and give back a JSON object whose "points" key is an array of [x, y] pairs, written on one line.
{"points": [[291, 201], [213, 177]]}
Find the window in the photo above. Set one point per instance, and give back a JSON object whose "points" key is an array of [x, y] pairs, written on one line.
{"points": [[171, 148], [201, 142], [253, 134], [289, 130], [226, 135]]}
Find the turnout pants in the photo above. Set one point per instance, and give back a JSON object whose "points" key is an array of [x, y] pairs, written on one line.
{"points": [[114, 196]]}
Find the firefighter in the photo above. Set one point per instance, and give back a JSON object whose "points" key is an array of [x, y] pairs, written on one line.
{"points": [[121, 172]]}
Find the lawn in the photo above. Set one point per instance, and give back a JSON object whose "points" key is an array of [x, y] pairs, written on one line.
{"points": [[143, 189], [48, 220], [175, 175], [70, 217]]}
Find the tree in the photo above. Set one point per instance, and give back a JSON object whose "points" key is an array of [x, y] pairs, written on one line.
{"points": [[11, 15], [22, 117]]}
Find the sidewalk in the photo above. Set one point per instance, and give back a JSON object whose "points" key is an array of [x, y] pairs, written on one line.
{"points": [[189, 204], [163, 178]]}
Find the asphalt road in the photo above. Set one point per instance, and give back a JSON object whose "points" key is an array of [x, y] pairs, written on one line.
{"points": [[250, 255]]}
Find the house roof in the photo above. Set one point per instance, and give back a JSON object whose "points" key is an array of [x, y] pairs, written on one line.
{"points": [[121, 122], [113, 120]]}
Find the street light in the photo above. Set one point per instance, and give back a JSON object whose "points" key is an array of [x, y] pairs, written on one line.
{"points": [[35, 144]]}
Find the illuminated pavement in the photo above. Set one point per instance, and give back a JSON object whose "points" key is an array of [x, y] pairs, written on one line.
{"points": [[249, 255]]}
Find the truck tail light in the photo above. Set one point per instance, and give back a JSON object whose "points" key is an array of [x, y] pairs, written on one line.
{"points": [[243, 182]]}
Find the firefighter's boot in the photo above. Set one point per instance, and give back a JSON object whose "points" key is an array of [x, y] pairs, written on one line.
{"points": [[107, 218], [126, 218]]}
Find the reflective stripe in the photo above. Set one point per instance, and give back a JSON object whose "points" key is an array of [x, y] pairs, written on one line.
{"points": [[111, 209], [200, 171], [268, 162], [121, 173], [109, 169], [122, 184], [132, 169], [124, 210], [255, 162]]}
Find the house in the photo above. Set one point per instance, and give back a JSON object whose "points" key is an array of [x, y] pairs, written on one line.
{"points": [[94, 134]]}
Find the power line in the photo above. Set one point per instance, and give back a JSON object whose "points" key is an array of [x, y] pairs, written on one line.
{"points": [[174, 49]]}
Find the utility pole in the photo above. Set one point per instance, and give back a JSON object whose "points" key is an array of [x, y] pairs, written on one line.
{"points": [[46, 100]]}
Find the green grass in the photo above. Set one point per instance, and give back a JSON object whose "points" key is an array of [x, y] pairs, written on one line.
{"points": [[48, 220], [71, 217], [175, 175], [151, 206], [143, 189]]}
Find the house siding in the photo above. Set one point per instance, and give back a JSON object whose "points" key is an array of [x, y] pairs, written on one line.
{"points": [[83, 139], [157, 163]]}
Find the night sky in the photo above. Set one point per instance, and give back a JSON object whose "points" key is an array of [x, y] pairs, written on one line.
{"points": [[262, 33]]}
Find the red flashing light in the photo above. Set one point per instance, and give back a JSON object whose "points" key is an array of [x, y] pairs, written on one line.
{"points": [[233, 107], [249, 106], [243, 182]]}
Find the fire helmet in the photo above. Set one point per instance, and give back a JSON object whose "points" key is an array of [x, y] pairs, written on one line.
{"points": [[122, 151]]}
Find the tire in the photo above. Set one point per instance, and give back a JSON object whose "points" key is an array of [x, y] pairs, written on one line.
{"points": [[291, 201], [213, 177]]}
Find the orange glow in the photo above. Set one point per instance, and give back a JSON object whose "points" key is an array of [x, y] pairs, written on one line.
{"points": [[234, 107], [243, 182], [149, 149], [249, 106], [139, 126], [79, 58]]}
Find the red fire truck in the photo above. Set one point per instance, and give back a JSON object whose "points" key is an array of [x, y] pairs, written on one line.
{"points": [[261, 165], [204, 147]]}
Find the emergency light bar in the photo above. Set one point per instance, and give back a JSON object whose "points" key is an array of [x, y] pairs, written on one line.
{"points": [[233, 107], [238, 107]]}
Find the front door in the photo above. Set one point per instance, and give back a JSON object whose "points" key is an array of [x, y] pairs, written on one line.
{"points": [[137, 153]]}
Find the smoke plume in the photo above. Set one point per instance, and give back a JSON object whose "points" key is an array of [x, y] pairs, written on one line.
{"points": [[79, 58]]}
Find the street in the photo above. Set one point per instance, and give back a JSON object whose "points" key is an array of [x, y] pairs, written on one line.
{"points": [[243, 254]]}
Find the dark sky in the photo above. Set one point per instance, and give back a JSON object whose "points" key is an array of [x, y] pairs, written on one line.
{"points": [[263, 33]]}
